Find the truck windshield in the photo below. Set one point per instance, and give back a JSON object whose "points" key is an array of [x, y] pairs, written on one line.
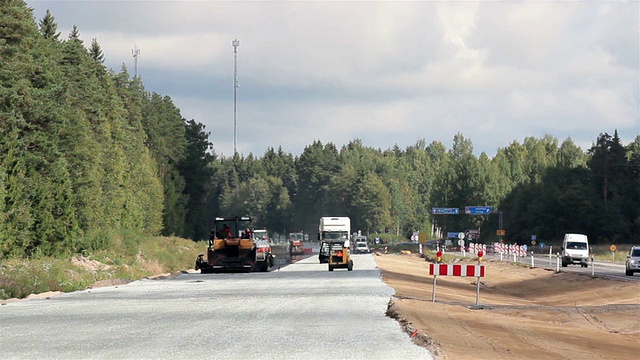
{"points": [[335, 235], [260, 235], [577, 245]]}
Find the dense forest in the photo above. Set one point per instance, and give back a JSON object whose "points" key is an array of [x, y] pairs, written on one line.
{"points": [[87, 152]]}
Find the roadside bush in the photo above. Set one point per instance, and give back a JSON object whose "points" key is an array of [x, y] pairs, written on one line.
{"points": [[100, 239]]}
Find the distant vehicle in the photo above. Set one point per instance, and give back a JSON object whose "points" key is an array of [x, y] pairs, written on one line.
{"points": [[264, 256], [491, 249], [575, 250], [361, 246], [632, 264], [296, 247]]}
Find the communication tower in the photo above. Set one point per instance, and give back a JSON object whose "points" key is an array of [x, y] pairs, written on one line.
{"points": [[236, 44], [135, 52]]}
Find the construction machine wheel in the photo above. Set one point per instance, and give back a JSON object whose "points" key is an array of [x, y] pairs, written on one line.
{"points": [[350, 265]]}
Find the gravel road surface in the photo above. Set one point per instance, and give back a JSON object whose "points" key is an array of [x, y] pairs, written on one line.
{"points": [[301, 311]]}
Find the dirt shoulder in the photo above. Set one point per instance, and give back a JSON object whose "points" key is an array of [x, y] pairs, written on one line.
{"points": [[527, 313]]}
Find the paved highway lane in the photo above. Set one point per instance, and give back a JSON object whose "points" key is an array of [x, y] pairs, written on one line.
{"points": [[301, 311]]}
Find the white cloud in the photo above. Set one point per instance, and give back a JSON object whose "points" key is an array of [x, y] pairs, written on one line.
{"points": [[384, 72]]}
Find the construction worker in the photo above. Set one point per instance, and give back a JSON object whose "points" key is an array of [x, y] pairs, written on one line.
{"points": [[226, 231]]}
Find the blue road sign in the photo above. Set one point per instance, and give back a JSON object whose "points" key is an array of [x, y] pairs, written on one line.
{"points": [[478, 210], [452, 235], [445, 211]]}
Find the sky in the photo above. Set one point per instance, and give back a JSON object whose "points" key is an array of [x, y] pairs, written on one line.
{"points": [[386, 73]]}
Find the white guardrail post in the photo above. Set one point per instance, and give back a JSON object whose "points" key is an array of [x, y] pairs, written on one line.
{"points": [[532, 261], [593, 267], [557, 262]]}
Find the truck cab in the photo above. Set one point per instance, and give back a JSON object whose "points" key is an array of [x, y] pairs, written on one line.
{"points": [[332, 230]]}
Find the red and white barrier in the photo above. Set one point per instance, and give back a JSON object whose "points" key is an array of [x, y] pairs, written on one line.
{"points": [[456, 270]]}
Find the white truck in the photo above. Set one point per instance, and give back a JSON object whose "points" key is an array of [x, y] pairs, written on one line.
{"points": [[333, 229], [575, 250]]}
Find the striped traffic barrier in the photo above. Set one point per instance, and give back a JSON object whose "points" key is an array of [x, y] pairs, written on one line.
{"points": [[456, 270]]}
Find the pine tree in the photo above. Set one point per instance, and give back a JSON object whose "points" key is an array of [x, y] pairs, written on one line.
{"points": [[48, 27], [96, 52], [197, 171], [74, 35]]}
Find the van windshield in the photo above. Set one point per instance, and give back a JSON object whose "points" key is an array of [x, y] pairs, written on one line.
{"points": [[577, 245]]}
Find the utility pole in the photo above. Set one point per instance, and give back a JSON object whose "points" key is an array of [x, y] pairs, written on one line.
{"points": [[235, 44], [135, 52]]}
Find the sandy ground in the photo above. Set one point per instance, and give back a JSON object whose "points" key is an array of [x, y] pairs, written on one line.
{"points": [[525, 314]]}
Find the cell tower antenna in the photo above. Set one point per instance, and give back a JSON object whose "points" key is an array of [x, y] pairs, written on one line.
{"points": [[135, 52], [236, 44]]}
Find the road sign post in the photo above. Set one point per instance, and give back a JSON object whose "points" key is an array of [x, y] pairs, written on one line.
{"points": [[613, 249]]}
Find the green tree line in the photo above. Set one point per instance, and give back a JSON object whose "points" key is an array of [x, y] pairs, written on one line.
{"points": [[85, 150], [542, 187]]}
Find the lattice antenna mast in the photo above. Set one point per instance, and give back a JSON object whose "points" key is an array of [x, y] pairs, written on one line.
{"points": [[135, 52], [236, 44]]}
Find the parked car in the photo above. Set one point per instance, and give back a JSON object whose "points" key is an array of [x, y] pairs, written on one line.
{"points": [[632, 264]]}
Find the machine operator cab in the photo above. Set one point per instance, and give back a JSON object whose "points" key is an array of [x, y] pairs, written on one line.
{"points": [[334, 250], [330, 240]]}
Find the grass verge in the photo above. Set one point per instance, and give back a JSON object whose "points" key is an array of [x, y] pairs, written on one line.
{"points": [[129, 257]]}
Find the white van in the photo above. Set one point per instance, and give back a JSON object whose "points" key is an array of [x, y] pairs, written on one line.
{"points": [[575, 250]]}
